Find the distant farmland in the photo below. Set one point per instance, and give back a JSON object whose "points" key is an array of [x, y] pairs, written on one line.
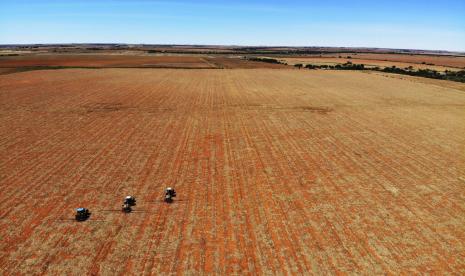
{"points": [[437, 62], [277, 171], [57, 61], [102, 61]]}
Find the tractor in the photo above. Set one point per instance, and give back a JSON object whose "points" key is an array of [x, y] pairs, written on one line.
{"points": [[130, 200], [127, 208], [170, 193], [82, 214]]}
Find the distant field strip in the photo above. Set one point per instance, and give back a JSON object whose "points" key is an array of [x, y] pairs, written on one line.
{"points": [[102, 61]]}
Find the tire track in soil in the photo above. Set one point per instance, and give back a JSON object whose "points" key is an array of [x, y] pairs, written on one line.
{"points": [[260, 166], [326, 221], [275, 154]]}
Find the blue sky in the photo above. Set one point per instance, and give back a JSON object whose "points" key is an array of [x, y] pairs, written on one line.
{"points": [[414, 24]]}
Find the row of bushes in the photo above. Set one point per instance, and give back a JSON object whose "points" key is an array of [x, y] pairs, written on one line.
{"points": [[267, 60], [345, 66], [458, 76]]}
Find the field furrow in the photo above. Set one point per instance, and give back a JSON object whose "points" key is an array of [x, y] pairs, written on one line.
{"points": [[277, 172]]}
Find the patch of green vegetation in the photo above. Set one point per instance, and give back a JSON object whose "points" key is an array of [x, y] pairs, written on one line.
{"points": [[267, 60]]}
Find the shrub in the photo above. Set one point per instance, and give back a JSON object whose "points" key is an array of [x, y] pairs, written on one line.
{"points": [[268, 60]]}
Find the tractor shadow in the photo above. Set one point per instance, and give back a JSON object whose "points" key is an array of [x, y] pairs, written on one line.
{"points": [[131, 212], [88, 220]]}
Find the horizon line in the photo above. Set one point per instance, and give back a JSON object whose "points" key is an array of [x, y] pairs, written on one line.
{"points": [[229, 45]]}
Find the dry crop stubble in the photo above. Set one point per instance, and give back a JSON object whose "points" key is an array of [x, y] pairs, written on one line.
{"points": [[277, 171]]}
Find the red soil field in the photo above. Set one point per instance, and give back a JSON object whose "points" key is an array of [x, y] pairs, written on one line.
{"points": [[277, 171], [236, 62], [8, 64], [104, 60]]}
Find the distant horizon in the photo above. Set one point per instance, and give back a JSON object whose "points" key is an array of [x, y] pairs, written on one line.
{"points": [[225, 45], [408, 25]]}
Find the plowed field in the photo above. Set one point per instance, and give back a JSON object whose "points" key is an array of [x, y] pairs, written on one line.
{"points": [[236, 62], [277, 171], [104, 60], [14, 64]]}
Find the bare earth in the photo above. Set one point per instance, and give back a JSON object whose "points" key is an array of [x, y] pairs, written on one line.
{"points": [[277, 171], [103, 60], [10, 64]]}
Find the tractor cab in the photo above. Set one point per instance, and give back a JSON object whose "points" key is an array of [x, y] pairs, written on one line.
{"points": [[130, 200], [170, 191], [82, 214], [169, 194]]}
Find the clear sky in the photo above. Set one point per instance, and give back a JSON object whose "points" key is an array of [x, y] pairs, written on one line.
{"points": [[414, 24]]}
